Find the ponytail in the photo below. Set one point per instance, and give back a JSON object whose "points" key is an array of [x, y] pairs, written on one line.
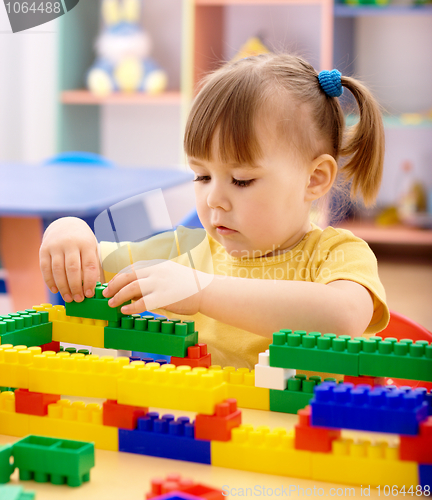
{"points": [[364, 144]]}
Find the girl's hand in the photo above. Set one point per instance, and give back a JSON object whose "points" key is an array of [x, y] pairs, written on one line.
{"points": [[158, 284], [69, 259]]}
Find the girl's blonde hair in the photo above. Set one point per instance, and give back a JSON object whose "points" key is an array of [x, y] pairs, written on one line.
{"points": [[286, 86]]}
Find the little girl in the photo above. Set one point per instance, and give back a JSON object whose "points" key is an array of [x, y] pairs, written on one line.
{"points": [[264, 138]]}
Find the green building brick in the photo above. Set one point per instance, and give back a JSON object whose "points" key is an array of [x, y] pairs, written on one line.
{"points": [[30, 328], [15, 493], [390, 358], [299, 392], [6, 468], [314, 351], [375, 356], [58, 460], [146, 334], [95, 308], [72, 350]]}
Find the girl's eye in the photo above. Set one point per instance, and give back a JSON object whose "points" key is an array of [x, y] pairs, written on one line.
{"points": [[240, 183], [236, 182]]}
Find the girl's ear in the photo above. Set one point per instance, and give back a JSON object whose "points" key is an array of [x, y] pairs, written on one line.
{"points": [[131, 11], [111, 12], [322, 174]]}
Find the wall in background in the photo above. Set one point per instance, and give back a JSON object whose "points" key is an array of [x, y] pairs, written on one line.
{"points": [[139, 136], [28, 84], [394, 59]]}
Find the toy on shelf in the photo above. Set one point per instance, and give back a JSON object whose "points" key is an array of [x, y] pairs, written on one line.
{"points": [[252, 47], [379, 3], [412, 203], [123, 49]]}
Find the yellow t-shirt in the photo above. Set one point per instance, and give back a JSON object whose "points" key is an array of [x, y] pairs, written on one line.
{"points": [[322, 256]]}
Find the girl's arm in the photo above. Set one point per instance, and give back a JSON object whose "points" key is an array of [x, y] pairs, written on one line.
{"points": [[266, 306], [259, 306]]}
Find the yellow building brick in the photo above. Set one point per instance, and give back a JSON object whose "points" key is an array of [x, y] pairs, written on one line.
{"points": [[14, 365], [84, 331], [241, 386], [262, 450], [75, 421], [363, 463], [12, 423], [168, 386], [76, 375]]}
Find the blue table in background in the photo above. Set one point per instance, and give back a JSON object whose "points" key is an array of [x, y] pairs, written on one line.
{"points": [[32, 196]]}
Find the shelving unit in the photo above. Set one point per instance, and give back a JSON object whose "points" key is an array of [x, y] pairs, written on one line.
{"points": [[345, 29], [206, 24], [80, 113], [406, 121], [207, 20], [84, 97], [78, 126], [341, 10], [397, 234]]}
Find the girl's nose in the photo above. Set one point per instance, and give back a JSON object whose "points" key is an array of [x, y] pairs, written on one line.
{"points": [[217, 198]]}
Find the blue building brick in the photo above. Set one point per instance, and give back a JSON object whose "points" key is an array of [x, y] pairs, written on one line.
{"points": [[425, 478], [165, 437], [178, 495], [377, 409], [429, 401]]}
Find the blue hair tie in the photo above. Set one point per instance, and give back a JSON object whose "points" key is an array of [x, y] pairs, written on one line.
{"points": [[330, 82]]}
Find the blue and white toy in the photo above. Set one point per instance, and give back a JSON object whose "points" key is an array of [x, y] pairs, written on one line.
{"points": [[123, 47]]}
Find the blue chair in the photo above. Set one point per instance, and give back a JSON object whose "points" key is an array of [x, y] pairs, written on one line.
{"points": [[81, 158], [71, 157], [3, 289], [191, 220]]}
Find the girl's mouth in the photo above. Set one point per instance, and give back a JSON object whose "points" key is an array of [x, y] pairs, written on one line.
{"points": [[225, 230]]}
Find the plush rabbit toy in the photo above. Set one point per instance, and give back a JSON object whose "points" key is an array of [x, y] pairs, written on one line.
{"points": [[123, 49]]}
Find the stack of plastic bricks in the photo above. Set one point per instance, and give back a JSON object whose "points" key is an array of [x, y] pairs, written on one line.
{"points": [[359, 358], [216, 436]]}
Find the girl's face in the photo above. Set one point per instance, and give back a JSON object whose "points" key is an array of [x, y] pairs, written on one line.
{"points": [[253, 210]]}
